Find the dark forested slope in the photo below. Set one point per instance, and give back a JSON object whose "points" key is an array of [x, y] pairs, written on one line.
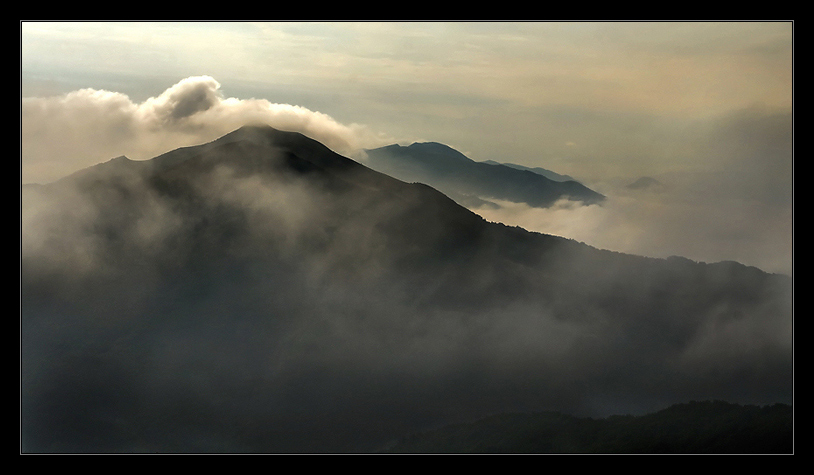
{"points": [[707, 427]]}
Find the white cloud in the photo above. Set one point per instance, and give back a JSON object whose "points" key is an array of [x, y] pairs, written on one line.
{"points": [[82, 128], [702, 227]]}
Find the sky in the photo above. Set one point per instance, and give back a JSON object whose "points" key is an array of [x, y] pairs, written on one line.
{"points": [[706, 108]]}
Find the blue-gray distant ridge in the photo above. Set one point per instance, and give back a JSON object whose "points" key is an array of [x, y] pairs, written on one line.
{"points": [[464, 179]]}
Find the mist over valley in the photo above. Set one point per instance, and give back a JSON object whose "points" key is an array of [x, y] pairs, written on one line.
{"points": [[362, 237], [262, 293]]}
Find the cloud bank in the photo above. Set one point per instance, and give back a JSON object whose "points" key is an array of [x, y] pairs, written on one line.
{"points": [[62, 134], [727, 194], [757, 235]]}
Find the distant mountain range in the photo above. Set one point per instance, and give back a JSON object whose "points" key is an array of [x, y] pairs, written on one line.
{"points": [[472, 183], [538, 170], [261, 293], [698, 427]]}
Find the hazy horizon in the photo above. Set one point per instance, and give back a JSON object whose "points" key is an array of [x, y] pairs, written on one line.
{"points": [[704, 107]]}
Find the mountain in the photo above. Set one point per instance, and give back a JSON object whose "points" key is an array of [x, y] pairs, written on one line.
{"points": [[538, 170], [261, 293], [646, 183], [463, 179]]}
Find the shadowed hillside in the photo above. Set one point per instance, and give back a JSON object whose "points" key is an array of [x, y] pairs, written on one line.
{"points": [[261, 293]]}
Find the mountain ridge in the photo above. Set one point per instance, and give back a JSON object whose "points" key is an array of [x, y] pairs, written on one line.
{"points": [[261, 293], [708, 427], [458, 176], [539, 170]]}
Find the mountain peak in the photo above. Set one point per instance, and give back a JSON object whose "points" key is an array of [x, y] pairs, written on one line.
{"points": [[453, 173], [261, 134], [438, 149], [647, 183]]}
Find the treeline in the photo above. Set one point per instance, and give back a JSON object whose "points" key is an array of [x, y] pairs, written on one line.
{"points": [[707, 427]]}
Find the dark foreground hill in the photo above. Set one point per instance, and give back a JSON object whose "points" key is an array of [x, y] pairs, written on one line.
{"points": [[468, 181], [708, 427], [261, 293]]}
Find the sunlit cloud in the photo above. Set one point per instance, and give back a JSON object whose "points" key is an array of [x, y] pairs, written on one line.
{"points": [[64, 133]]}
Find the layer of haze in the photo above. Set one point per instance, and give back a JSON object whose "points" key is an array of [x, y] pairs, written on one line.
{"points": [[236, 299], [705, 108]]}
